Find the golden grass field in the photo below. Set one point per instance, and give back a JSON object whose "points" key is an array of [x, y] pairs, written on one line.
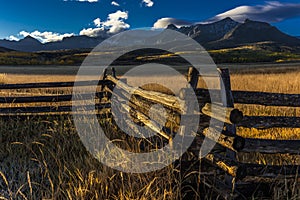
{"points": [[45, 158]]}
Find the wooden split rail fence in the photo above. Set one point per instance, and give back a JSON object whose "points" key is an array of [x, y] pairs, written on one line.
{"points": [[139, 102]]}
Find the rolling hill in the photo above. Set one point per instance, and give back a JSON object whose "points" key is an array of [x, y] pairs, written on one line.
{"points": [[3, 49]]}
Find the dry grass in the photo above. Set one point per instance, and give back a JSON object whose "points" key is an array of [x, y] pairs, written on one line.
{"points": [[3, 78], [278, 83], [44, 157], [27, 78], [52, 163]]}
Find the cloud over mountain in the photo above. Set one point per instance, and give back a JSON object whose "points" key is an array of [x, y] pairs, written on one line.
{"points": [[164, 22], [92, 32], [271, 11], [114, 23], [13, 38], [44, 36]]}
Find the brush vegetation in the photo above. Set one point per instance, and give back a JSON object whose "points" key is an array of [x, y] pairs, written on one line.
{"points": [[243, 54]]}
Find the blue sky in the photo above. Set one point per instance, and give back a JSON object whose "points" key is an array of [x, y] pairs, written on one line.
{"points": [[51, 20]]}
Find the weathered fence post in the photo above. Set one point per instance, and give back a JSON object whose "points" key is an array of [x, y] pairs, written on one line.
{"points": [[227, 100], [103, 79], [113, 72], [192, 78]]}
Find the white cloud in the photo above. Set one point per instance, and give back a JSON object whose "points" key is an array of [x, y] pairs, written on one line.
{"points": [[97, 22], [93, 32], [46, 36], [113, 24], [148, 3], [271, 11], [115, 21], [164, 22], [115, 3], [13, 38]]}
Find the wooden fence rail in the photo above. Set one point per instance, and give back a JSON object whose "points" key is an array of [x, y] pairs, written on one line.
{"points": [[49, 98], [49, 109], [264, 122], [271, 146], [169, 101], [51, 84], [258, 98]]}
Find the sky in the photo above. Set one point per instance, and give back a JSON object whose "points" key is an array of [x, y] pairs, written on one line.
{"points": [[52, 20]]}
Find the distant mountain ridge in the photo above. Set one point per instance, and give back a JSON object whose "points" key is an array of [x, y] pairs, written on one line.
{"points": [[225, 33], [30, 44], [228, 33], [254, 32]]}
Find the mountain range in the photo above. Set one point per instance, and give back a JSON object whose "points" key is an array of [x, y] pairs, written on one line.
{"points": [[228, 33], [30, 44], [225, 33]]}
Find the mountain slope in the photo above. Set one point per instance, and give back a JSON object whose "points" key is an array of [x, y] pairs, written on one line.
{"points": [[254, 32], [204, 33], [74, 42], [3, 49], [27, 44]]}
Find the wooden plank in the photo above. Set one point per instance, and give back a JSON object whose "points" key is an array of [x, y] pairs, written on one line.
{"points": [[103, 113], [271, 146], [264, 122], [171, 120], [249, 97], [43, 109], [52, 84], [52, 98], [128, 119], [156, 97], [228, 165], [271, 171], [233, 142], [267, 99], [144, 119], [226, 114]]}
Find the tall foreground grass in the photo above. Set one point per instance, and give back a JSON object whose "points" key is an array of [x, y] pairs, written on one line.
{"points": [[44, 158]]}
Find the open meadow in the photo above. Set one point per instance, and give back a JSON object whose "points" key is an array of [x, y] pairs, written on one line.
{"points": [[43, 157]]}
